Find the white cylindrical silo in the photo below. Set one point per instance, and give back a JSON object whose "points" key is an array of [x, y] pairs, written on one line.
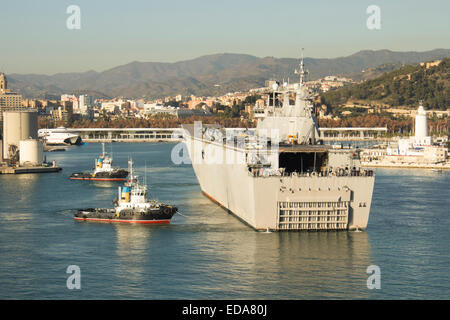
{"points": [[31, 152], [29, 125], [18, 125], [11, 132], [421, 123]]}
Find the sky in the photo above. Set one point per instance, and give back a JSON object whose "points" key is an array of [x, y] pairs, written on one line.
{"points": [[35, 38]]}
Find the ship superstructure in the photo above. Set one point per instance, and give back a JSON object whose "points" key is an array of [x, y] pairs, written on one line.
{"points": [[279, 176], [133, 195]]}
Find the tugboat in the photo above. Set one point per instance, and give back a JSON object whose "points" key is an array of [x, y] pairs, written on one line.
{"points": [[104, 171], [132, 206]]}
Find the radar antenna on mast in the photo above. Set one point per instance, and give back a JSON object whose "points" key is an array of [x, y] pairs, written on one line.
{"points": [[301, 72]]}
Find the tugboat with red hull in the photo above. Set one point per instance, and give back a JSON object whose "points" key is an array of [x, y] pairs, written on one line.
{"points": [[104, 170], [132, 206]]}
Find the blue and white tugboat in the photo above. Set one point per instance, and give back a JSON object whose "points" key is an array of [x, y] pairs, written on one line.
{"points": [[132, 206]]}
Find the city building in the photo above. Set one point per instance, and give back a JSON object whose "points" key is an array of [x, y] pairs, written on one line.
{"points": [[9, 100], [72, 98], [62, 113], [158, 109], [85, 105]]}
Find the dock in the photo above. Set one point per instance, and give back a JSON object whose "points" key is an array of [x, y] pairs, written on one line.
{"points": [[19, 170], [436, 166]]}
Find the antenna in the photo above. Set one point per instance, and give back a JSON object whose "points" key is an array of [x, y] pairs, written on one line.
{"points": [[130, 168], [301, 71], [145, 175]]}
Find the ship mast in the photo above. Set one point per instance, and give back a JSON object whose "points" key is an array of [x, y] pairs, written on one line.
{"points": [[145, 182], [301, 72], [130, 169]]}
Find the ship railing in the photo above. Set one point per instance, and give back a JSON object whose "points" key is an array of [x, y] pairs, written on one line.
{"points": [[340, 172]]}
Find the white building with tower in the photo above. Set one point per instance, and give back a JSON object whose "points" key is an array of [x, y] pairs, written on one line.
{"points": [[421, 137], [418, 148]]}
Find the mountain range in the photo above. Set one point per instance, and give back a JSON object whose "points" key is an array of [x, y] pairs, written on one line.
{"points": [[403, 87], [207, 75]]}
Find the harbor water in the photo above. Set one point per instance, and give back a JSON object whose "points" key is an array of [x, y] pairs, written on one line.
{"points": [[206, 253]]}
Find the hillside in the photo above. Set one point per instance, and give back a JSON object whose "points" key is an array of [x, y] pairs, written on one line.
{"points": [[402, 87], [200, 76]]}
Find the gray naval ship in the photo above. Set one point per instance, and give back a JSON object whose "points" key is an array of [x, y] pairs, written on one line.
{"points": [[280, 176]]}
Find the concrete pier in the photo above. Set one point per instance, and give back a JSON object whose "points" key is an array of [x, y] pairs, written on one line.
{"points": [[18, 170], [384, 164]]}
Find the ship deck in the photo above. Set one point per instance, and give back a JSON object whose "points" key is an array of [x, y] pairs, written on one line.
{"points": [[297, 148]]}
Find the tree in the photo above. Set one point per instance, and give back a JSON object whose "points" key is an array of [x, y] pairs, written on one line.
{"points": [[200, 106]]}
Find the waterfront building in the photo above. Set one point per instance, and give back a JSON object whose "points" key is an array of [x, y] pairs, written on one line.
{"points": [[373, 154], [418, 148], [128, 134]]}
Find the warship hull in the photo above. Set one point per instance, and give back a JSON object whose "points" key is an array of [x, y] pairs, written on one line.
{"points": [[292, 202]]}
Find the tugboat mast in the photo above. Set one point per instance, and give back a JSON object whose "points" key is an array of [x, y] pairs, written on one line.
{"points": [[130, 169]]}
